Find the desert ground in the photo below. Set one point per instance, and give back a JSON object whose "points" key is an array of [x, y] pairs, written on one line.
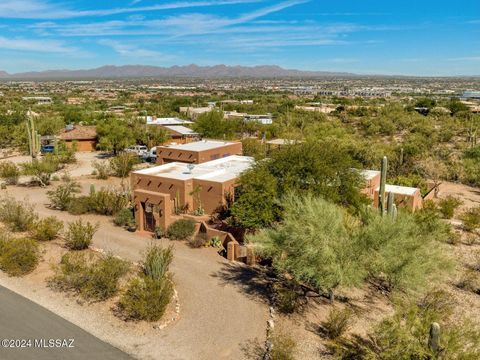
{"points": [[218, 319]]}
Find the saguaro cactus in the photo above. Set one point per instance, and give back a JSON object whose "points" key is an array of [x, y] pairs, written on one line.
{"points": [[383, 179], [33, 137], [434, 338], [391, 207]]}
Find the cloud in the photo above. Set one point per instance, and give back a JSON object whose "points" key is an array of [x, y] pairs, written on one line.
{"points": [[34, 45], [41, 9], [129, 50], [179, 25], [465, 58]]}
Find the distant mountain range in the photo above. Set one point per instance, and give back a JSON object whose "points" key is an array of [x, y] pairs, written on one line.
{"points": [[141, 71]]}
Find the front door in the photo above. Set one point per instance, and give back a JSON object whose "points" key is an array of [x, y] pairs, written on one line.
{"points": [[148, 218]]}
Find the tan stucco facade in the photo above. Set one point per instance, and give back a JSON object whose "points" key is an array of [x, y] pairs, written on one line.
{"points": [[172, 189], [166, 154]]}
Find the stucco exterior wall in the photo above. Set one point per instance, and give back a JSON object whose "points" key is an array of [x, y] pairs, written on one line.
{"points": [[82, 145], [166, 155], [370, 186], [413, 202]]}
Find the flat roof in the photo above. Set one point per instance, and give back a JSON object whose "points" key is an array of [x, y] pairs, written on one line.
{"points": [[183, 130], [219, 170], [152, 120], [202, 145], [402, 190], [369, 174]]}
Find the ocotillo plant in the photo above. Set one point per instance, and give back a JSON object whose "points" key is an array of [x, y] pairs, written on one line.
{"points": [[383, 179]]}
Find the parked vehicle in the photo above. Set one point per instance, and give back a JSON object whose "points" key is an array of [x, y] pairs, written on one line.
{"points": [[139, 150], [151, 156], [47, 149]]}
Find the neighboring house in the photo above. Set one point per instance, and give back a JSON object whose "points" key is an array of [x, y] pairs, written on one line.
{"points": [[261, 119], [322, 109], [194, 112], [40, 100], [181, 133], [153, 120], [163, 191], [84, 136], [403, 196], [197, 152]]}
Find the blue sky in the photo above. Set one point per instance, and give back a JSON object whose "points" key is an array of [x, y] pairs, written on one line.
{"points": [[421, 37]]}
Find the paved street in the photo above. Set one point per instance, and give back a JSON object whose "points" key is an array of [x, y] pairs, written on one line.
{"points": [[20, 318]]}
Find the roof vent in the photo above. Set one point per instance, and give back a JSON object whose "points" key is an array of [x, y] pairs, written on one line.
{"points": [[69, 127], [190, 168]]}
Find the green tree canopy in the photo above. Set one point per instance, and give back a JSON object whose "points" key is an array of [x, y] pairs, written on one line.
{"points": [[213, 125], [313, 244], [114, 135]]}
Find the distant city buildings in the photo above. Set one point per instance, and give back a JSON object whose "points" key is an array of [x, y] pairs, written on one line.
{"points": [[39, 100]]}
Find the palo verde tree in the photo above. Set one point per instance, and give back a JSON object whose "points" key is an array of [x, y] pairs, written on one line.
{"points": [[213, 125], [256, 204], [114, 135], [313, 244]]}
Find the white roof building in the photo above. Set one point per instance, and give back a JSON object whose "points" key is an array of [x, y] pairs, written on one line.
{"points": [[203, 145], [152, 120], [181, 130], [220, 170]]}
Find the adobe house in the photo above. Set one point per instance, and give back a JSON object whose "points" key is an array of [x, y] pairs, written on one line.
{"points": [[197, 152], [181, 133], [85, 137], [403, 196], [160, 191]]}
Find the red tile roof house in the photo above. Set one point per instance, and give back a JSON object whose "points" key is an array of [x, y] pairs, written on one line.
{"points": [[85, 137]]}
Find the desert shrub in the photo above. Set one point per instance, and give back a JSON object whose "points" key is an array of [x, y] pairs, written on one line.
{"points": [[80, 206], [159, 232], [66, 154], [401, 254], [61, 197], [336, 324], [288, 297], [148, 295], [46, 229], [405, 334], [79, 235], [470, 281], [471, 219], [313, 244], [18, 256], [471, 239], [108, 201], [93, 279], [42, 170], [198, 241], [283, 347], [448, 206], [157, 261], [146, 299], [123, 163], [214, 242], [16, 214], [9, 172], [181, 229], [102, 169], [428, 222], [124, 217]]}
